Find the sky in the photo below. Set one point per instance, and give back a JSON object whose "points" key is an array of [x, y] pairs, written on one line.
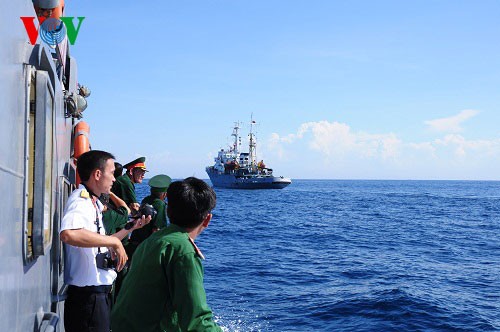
{"points": [[339, 89]]}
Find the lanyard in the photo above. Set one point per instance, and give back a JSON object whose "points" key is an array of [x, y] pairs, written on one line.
{"points": [[97, 223]]}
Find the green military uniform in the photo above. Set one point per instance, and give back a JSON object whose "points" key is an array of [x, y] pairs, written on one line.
{"points": [[159, 184], [114, 220], [125, 189], [158, 222], [164, 288]]}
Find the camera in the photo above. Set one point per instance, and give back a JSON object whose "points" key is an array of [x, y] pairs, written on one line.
{"points": [[104, 261], [145, 210]]}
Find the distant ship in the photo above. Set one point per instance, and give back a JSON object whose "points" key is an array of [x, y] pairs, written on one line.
{"points": [[239, 170]]}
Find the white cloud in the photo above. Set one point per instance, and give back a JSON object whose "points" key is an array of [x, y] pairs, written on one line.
{"points": [[334, 139], [274, 144], [427, 148], [461, 146], [328, 138], [452, 123], [332, 149], [338, 149]]}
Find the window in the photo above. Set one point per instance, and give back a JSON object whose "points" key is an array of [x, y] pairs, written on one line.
{"points": [[39, 164], [65, 192]]}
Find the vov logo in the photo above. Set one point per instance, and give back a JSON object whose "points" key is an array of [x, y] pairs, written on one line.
{"points": [[52, 30]]}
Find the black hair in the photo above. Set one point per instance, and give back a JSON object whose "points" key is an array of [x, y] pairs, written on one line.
{"points": [[90, 161], [104, 198], [118, 170], [189, 202], [156, 192]]}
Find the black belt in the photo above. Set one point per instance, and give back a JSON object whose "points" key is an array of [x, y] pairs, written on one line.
{"points": [[90, 289]]}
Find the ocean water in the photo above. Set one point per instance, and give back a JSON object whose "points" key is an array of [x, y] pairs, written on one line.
{"points": [[328, 255]]}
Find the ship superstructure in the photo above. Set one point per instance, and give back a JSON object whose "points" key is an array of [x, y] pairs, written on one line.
{"points": [[234, 169]]}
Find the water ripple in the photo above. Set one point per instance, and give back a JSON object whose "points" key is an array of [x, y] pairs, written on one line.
{"points": [[356, 256]]}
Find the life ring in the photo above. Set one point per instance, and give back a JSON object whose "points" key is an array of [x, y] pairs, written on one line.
{"points": [[81, 143]]}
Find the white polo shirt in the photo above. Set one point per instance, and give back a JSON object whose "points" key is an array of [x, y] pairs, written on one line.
{"points": [[79, 263]]}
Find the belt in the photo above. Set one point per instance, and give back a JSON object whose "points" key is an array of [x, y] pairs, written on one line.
{"points": [[90, 289]]}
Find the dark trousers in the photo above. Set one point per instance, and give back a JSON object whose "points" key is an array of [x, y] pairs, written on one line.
{"points": [[87, 309]]}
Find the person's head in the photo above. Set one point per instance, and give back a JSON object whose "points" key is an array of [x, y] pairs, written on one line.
{"points": [[95, 169], [159, 185], [118, 170], [158, 193], [45, 8], [190, 202], [137, 174], [136, 169], [104, 198]]}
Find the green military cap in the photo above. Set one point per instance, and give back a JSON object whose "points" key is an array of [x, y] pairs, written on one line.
{"points": [[139, 163], [160, 182]]}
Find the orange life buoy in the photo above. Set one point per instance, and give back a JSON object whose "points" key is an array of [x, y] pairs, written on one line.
{"points": [[82, 143]]}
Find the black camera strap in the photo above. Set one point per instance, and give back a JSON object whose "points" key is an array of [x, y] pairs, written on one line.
{"points": [[97, 223], [90, 191]]}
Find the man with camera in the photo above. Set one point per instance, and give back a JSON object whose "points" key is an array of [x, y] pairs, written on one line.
{"points": [[164, 288], [91, 257]]}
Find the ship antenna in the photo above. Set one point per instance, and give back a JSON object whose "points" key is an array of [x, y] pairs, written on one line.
{"points": [[235, 134], [252, 148]]}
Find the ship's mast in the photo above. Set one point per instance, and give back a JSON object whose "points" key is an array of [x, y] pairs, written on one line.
{"points": [[252, 146], [236, 137]]}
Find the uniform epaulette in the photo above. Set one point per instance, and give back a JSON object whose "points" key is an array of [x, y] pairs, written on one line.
{"points": [[198, 251], [84, 194]]}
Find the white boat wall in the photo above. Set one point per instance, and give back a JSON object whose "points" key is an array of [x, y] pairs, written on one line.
{"points": [[38, 87]]}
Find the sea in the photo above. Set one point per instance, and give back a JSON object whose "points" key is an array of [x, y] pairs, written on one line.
{"points": [[360, 255]]}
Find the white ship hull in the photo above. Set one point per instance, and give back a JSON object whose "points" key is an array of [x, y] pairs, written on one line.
{"points": [[251, 181]]}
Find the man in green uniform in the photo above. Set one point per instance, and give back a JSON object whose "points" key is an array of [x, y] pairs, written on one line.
{"points": [[114, 220], [164, 288], [159, 185], [124, 186]]}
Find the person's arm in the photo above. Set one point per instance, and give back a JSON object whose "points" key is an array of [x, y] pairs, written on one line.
{"points": [[138, 223], [129, 194], [134, 206], [189, 296], [118, 202], [87, 239]]}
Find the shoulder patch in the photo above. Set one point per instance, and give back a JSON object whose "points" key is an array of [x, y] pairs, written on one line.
{"points": [[84, 194], [198, 251]]}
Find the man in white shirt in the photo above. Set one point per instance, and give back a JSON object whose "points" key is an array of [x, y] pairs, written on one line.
{"points": [[87, 307]]}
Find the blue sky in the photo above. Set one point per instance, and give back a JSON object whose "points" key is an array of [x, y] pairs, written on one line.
{"points": [[340, 89]]}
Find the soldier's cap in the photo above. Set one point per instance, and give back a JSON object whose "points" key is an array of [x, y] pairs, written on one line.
{"points": [[160, 182], [137, 163]]}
